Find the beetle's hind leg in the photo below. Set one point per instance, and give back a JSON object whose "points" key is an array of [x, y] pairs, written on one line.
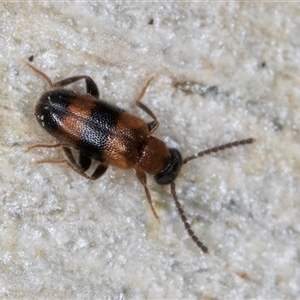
{"points": [[84, 161], [84, 164], [40, 73], [91, 86], [49, 160], [43, 146]]}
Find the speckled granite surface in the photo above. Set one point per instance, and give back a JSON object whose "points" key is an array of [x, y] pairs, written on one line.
{"points": [[62, 236]]}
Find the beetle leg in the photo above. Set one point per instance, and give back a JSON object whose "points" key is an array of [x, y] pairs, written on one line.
{"points": [[141, 176], [72, 162], [85, 162], [152, 126], [91, 86], [99, 171], [42, 146], [40, 73], [51, 161]]}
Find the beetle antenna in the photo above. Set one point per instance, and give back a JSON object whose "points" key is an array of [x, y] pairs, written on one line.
{"points": [[185, 221], [218, 148]]}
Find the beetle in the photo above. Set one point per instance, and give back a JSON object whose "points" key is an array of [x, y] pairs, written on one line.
{"points": [[109, 135]]}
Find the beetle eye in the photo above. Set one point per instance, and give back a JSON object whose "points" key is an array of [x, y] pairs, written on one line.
{"points": [[170, 173]]}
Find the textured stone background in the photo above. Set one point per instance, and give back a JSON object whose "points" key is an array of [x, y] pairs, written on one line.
{"points": [[62, 236]]}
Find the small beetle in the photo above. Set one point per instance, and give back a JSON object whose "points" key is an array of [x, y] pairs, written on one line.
{"points": [[111, 136]]}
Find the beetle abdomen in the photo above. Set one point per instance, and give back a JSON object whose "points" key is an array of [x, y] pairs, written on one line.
{"points": [[99, 129], [77, 120]]}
